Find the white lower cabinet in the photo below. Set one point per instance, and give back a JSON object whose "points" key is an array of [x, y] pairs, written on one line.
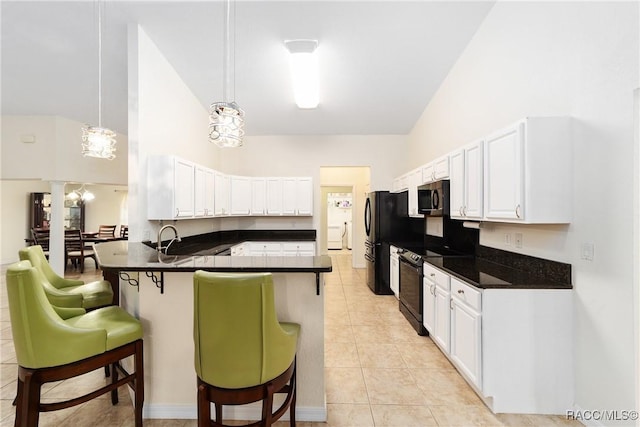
{"points": [[466, 338], [274, 249], [298, 249], [513, 346], [394, 271]]}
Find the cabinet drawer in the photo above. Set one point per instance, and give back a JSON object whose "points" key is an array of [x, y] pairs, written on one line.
{"points": [[266, 246], [468, 294], [299, 246], [440, 278]]}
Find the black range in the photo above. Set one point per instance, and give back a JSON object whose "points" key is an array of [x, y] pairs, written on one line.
{"points": [[411, 295]]}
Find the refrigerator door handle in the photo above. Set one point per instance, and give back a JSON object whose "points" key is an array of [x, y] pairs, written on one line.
{"points": [[367, 217]]}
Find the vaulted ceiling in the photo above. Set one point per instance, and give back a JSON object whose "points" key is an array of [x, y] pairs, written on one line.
{"points": [[380, 61]]}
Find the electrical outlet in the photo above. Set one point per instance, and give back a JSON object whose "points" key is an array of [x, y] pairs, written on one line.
{"points": [[587, 251], [518, 240], [507, 239]]}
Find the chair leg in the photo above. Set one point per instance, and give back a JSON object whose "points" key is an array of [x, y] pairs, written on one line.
{"points": [[292, 408], [114, 379], [18, 403], [107, 371], [139, 383], [30, 405], [204, 408], [267, 406]]}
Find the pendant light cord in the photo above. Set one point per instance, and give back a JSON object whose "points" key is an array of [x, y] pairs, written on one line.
{"points": [[228, 56], [99, 65]]}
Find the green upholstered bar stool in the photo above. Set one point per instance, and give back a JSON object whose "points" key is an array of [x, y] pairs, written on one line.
{"points": [[242, 353], [63, 292], [54, 344]]}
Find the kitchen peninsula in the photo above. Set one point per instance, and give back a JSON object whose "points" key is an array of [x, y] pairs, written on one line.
{"points": [[158, 288]]}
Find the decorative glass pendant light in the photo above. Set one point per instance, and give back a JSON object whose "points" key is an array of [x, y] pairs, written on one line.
{"points": [[226, 118], [98, 141]]}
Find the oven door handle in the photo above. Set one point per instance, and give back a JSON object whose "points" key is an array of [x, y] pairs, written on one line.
{"points": [[408, 264]]}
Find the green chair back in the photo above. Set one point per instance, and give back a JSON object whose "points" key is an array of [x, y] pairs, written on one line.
{"points": [[238, 339], [54, 285], [41, 338]]}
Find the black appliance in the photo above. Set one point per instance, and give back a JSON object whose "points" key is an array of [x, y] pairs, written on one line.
{"points": [[386, 220], [433, 198], [411, 274]]}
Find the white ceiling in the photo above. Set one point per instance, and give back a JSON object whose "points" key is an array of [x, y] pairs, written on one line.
{"points": [[380, 61]]}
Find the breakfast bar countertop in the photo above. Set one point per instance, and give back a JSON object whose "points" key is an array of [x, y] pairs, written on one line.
{"points": [[135, 256]]}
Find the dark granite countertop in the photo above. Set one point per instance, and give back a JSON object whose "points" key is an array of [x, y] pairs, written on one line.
{"points": [[486, 274], [219, 241], [133, 256]]}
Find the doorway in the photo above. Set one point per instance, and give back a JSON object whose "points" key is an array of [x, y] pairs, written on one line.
{"points": [[339, 220]]}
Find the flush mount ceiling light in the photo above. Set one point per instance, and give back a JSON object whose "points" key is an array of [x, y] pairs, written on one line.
{"points": [[98, 141], [304, 71], [226, 119]]}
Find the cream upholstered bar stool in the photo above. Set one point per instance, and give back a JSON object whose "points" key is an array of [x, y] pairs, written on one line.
{"points": [[54, 344], [63, 292], [242, 353]]}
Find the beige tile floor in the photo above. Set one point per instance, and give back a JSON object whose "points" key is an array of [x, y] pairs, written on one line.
{"points": [[378, 372]]}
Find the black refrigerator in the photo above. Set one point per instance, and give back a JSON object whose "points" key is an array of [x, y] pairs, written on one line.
{"points": [[386, 220]]}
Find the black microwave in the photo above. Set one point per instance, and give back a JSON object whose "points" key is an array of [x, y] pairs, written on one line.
{"points": [[433, 198]]}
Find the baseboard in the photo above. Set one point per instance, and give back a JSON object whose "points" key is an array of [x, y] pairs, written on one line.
{"points": [[177, 412]]}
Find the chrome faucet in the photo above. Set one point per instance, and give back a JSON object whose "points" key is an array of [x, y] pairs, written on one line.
{"points": [[159, 246]]}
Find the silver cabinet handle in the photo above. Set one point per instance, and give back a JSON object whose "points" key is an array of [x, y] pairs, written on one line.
{"points": [[177, 212], [433, 290], [460, 210], [451, 303], [461, 291], [518, 211]]}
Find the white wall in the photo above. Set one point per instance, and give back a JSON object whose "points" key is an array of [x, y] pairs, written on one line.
{"points": [[106, 209], [166, 118], [56, 154], [578, 59]]}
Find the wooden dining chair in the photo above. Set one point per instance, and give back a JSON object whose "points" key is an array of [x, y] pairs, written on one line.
{"points": [[76, 251], [107, 231], [40, 237]]}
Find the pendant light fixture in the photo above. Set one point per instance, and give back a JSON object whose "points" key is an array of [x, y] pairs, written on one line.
{"points": [[98, 141], [226, 119]]}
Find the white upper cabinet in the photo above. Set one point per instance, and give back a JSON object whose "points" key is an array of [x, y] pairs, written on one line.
{"points": [[204, 192], [240, 195], [436, 170], [178, 189], [528, 173], [400, 184], [466, 179], [170, 192], [221, 194], [274, 196], [297, 196], [414, 180], [258, 196]]}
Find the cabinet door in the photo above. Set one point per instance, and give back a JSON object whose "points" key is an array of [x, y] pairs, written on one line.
{"points": [[473, 171], [394, 280], [274, 196], [184, 189], [304, 196], [415, 179], [466, 340], [204, 188], [456, 185], [221, 194], [504, 174], [240, 195], [258, 196], [428, 305], [289, 196], [442, 319], [428, 173], [441, 168]]}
